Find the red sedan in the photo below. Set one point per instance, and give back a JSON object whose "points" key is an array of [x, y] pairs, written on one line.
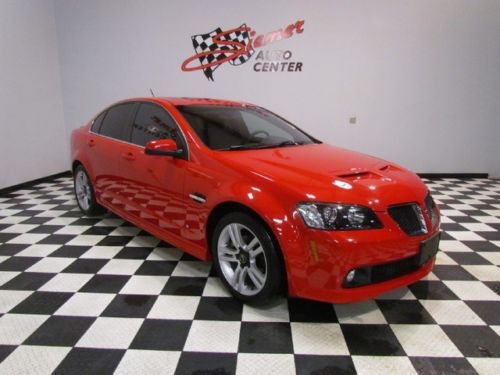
{"points": [[277, 210]]}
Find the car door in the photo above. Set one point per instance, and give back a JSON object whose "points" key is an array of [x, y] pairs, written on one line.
{"points": [[154, 184], [106, 142]]}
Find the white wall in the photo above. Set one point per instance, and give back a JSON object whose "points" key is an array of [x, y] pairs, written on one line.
{"points": [[33, 141], [421, 76]]}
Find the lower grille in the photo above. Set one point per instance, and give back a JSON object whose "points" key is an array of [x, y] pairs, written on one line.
{"points": [[382, 272], [409, 217]]}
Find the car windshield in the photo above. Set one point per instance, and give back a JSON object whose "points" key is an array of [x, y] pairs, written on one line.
{"points": [[242, 128]]}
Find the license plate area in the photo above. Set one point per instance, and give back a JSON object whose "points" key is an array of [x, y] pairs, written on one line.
{"points": [[428, 249]]}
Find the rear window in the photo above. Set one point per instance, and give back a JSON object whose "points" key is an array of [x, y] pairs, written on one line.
{"points": [[116, 121], [96, 125]]}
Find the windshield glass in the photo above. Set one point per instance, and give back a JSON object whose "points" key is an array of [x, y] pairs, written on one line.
{"points": [[241, 128]]}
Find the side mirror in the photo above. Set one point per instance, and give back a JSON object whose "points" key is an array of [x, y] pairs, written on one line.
{"points": [[166, 147]]}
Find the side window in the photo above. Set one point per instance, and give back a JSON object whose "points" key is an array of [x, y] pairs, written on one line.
{"points": [[116, 120], [153, 122], [96, 125]]}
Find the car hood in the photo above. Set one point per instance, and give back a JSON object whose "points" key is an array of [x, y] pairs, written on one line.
{"points": [[320, 172]]}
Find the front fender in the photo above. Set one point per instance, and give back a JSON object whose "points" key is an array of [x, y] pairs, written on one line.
{"points": [[278, 212]]}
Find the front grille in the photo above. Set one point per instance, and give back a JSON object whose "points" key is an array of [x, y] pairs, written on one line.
{"points": [[409, 218], [382, 272]]}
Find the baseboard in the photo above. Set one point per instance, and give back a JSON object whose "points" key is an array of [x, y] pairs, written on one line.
{"points": [[453, 175], [34, 182], [68, 174]]}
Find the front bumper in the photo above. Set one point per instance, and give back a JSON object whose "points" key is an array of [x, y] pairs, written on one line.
{"points": [[346, 295], [319, 261]]}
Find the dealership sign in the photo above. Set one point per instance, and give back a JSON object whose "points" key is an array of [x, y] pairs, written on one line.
{"points": [[237, 46]]}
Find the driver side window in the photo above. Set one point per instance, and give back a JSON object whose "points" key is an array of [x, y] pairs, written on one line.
{"points": [[152, 122]]}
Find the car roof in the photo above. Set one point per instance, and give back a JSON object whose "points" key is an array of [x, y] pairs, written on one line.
{"points": [[178, 101], [182, 101], [203, 101]]}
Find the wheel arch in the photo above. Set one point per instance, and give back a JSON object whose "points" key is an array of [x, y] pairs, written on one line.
{"points": [[75, 164], [80, 161]]}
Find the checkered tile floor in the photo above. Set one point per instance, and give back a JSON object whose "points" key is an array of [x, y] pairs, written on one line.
{"points": [[80, 295]]}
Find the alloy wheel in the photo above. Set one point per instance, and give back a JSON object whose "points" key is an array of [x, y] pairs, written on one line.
{"points": [[242, 259], [83, 190]]}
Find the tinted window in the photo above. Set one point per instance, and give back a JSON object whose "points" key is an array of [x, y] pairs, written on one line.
{"points": [[153, 122], [225, 127], [116, 120], [96, 125], [256, 124]]}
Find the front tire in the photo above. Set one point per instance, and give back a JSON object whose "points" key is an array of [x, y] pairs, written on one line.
{"points": [[84, 193], [246, 258]]}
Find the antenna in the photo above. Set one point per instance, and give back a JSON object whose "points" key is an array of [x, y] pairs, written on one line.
{"points": [[151, 91]]}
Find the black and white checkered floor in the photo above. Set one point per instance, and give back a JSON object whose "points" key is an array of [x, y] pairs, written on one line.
{"points": [[80, 295]]}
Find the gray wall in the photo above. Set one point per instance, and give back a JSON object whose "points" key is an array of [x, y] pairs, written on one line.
{"points": [[33, 139], [422, 77]]}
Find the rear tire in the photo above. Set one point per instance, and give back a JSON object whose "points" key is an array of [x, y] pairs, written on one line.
{"points": [[246, 258], [84, 193]]}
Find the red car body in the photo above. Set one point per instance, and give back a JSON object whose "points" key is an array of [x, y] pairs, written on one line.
{"points": [[153, 192]]}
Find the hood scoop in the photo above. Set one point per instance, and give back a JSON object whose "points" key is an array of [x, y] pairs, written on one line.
{"points": [[366, 178], [389, 168], [362, 175]]}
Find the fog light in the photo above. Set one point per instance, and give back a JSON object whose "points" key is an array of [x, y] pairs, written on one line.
{"points": [[350, 276]]}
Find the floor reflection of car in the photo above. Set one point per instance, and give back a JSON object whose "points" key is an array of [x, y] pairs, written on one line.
{"points": [[277, 210]]}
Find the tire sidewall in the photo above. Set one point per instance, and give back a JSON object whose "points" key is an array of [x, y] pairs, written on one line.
{"points": [[93, 205], [273, 264]]}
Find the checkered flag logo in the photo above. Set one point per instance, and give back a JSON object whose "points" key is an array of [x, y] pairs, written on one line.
{"points": [[204, 43]]}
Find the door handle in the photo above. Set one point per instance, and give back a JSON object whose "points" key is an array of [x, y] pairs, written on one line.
{"points": [[91, 143], [128, 156]]}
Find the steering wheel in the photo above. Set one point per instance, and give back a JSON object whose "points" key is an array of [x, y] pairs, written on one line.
{"points": [[252, 135]]}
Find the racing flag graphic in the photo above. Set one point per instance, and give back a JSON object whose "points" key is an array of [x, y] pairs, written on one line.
{"points": [[218, 47]]}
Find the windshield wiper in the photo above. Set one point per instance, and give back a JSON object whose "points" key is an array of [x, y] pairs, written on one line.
{"points": [[289, 143], [248, 146], [254, 146]]}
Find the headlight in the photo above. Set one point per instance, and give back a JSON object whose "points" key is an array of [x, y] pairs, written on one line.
{"points": [[332, 216], [432, 210]]}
